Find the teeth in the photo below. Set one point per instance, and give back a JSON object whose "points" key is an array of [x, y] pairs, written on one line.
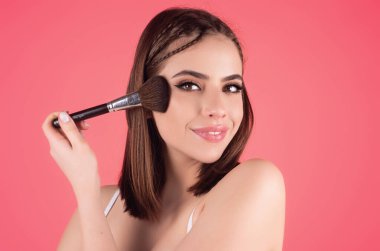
{"points": [[214, 133]]}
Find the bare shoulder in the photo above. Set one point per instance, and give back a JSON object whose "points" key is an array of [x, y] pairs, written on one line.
{"points": [[261, 167], [250, 178], [107, 191], [254, 179], [257, 173], [71, 237], [244, 211]]}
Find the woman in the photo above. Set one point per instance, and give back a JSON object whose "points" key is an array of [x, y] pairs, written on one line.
{"points": [[181, 187]]}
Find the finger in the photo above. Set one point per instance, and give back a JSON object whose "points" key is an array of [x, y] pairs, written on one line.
{"points": [[70, 129], [52, 134], [83, 125]]}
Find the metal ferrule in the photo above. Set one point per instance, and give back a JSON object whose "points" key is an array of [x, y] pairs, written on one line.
{"points": [[125, 102]]}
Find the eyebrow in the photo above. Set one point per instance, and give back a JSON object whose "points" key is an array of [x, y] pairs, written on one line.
{"points": [[204, 76]]}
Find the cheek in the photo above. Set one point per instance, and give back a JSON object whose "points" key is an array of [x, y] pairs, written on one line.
{"points": [[236, 111], [239, 114], [174, 122]]}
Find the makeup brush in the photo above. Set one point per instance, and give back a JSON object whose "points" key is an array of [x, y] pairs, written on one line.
{"points": [[154, 95]]}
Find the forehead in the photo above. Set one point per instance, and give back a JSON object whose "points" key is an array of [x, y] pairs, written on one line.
{"points": [[214, 55]]}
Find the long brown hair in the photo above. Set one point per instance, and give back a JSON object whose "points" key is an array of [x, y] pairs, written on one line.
{"points": [[143, 174]]}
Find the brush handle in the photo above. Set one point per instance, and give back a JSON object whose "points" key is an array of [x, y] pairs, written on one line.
{"points": [[85, 114], [125, 102]]}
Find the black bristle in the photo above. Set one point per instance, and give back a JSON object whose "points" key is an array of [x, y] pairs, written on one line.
{"points": [[155, 94]]}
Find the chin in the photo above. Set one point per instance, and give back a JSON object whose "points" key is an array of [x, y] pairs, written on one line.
{"points": [[210, 155], [210, 158]]}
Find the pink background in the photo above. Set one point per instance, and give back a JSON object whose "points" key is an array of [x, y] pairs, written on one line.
{"points": [[311, 76]]}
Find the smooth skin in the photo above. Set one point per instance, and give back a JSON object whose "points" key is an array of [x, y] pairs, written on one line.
{"points": [[244, 211]]}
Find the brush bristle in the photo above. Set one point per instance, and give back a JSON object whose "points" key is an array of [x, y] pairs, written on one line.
{"points": [[155, 94]]}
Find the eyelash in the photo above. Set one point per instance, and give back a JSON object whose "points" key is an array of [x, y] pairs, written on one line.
{"points": [[187, 82]]}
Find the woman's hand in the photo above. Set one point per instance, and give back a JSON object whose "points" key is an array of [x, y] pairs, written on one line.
{"points": [[71, 151]]}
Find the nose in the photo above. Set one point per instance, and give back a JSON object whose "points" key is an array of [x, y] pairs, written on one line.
{"points": [[213, 106]]}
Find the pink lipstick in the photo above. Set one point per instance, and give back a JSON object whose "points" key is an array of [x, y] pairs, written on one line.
{"points": [[212, 134]]}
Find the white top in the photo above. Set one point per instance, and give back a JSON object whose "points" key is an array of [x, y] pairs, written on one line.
{"points": [[190, 222], [111, 203], [114, 198]]}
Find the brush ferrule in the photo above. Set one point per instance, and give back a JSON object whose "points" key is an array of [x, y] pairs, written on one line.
{"points": [[125, 102]]}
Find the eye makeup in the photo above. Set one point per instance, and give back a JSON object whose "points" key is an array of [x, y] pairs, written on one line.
{"points": [[189, 85], [238, 88], [184, 85]]}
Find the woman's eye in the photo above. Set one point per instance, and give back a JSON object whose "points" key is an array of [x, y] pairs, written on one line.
{"points": [[234, 88], [188, 86]]}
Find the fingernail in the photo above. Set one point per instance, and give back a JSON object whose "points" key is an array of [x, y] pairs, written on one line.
{"points": [[64, 117]]}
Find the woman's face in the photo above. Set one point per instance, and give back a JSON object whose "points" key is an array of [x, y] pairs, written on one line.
{"points": [[206, 105]]}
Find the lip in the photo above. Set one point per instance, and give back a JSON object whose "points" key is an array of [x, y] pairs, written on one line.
{"points": [[212, 133]]}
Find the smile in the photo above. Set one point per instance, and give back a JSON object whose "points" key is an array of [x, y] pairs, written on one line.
{"points": [[212, 134]]}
